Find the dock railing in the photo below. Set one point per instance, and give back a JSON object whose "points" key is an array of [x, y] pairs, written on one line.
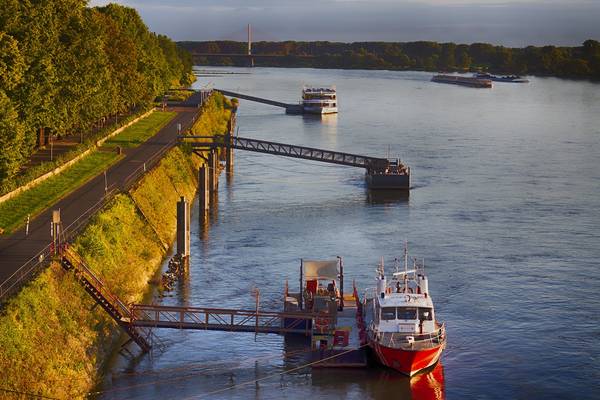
{"points": [[220, 319]]}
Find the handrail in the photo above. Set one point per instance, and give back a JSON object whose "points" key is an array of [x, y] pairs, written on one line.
{"points": [[202, 310], [432, 339], [91, 277]]}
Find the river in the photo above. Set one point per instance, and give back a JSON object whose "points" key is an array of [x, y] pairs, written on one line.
{"points": [[504, 207]]}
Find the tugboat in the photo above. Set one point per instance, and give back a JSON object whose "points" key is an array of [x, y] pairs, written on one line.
{"points": [[400, 323], [506, 78], [319, 100]]}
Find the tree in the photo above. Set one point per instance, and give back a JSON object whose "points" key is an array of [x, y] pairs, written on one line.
{"points": [[12, 64], [12, 134]]}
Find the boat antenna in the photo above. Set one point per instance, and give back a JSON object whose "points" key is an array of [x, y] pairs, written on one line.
{"points": [[406, 266]]}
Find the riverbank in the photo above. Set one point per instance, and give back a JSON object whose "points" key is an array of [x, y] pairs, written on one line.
{"points": [[579, 62], [53, 341]]}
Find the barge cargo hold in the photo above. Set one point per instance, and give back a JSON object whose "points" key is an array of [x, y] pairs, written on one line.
{"points": [[506, 78], [463, 81], [395, 176]]}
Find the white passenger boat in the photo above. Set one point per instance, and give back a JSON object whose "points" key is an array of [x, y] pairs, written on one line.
{"points": [[319, 100]]}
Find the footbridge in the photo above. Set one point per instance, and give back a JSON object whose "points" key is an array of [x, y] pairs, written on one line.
{"points": [[289, 108], [135, 320], [203, 143]]}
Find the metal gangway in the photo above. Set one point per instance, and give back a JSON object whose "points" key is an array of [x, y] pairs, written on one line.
{"points": [[221, 319], [135, 319], [202, 143], [290, 108]]}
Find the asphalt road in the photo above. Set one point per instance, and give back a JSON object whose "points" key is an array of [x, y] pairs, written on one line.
{"points": [[17, 249]]}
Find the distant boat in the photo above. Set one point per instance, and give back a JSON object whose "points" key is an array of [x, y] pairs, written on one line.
{"points": [[319, 100], [506, 78], [463, 81]]}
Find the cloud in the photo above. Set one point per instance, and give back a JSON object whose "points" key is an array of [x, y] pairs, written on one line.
{"points": [[508, 22]]}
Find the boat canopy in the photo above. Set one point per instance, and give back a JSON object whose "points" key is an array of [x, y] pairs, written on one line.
{"points": [[321, 269]]}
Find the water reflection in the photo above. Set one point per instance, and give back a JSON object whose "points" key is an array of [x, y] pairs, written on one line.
{"points": [[387, 196], [374, 382], [380, 383]]}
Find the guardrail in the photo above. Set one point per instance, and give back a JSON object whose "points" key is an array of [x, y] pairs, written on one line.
{"points": [[41, 260], [220, 319]]}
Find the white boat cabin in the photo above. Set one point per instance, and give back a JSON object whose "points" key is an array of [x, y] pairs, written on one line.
{"points": [[403, 305]]}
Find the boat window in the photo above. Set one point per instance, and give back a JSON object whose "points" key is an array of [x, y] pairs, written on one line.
{"points": [[423, 311], [388, 313], [407, 313]]}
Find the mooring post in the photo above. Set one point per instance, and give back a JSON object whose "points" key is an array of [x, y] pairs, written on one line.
{"points": [[203, 189], [229, 146], [213, 177], [183, 229]]}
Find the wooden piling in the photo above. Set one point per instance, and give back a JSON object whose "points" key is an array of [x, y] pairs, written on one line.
{"points": [[203, 191], [183, 228], [213, 173]]}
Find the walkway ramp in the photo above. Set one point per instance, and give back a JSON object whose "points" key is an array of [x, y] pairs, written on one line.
{"points": [[292, 108], [218, 319], [134, 319], [286, 150]]}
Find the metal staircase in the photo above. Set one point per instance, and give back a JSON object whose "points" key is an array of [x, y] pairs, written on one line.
{"points": [[94, 286]]}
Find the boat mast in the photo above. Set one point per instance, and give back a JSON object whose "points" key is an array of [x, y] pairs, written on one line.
{"points": [[406, 267]]}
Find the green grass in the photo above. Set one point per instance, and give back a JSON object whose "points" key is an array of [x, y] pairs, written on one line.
{"points": [[179, 94], [13, 212], [142, 130]]}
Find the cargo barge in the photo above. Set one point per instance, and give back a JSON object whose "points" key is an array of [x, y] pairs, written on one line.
{"points": [[463, 81], [392, 176], [506, 78]]}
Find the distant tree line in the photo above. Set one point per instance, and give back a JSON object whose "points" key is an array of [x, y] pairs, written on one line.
{"points": [[64, 67], [569, 62]]}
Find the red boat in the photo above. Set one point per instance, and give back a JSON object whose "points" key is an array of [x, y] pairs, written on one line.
{"points": [[399, 321]]}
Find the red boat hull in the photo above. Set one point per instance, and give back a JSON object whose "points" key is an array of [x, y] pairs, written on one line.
{"points": [[408, 362]]}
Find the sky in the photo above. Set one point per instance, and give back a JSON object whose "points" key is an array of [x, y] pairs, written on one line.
{"points": [[514, 23]]}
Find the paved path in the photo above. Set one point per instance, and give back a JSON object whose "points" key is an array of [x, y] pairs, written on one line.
{"points": [[17, 249]]}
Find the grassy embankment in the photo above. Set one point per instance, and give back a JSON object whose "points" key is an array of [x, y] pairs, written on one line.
{"points": [[53, 342], [13, 212]]}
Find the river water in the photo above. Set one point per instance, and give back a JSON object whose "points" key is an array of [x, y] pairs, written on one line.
{"points": [[505, 209]]}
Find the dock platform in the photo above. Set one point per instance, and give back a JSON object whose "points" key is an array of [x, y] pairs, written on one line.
{"points": [[346, 350]]}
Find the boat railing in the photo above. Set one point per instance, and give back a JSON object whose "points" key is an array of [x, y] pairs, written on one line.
{"points": [[415, 341]]}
